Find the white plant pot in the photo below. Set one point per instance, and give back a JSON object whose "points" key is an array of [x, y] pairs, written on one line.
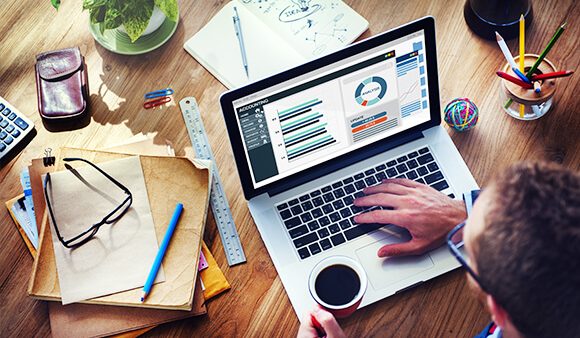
{"points": [[157, 19]]}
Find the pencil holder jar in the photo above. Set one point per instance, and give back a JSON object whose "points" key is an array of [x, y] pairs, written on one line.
{"points": [[532, 102]]}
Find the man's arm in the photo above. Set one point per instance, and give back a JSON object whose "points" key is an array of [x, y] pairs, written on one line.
{"points": [[426, 213]]}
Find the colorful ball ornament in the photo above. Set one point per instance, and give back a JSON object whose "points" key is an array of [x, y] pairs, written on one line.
{"points": [[461, 114]]}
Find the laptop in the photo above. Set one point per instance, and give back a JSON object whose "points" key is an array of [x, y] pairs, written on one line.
{"points": [[308, 140]]}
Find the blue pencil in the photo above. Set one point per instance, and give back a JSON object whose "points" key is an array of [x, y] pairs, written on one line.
{"points": [[161, 252]]}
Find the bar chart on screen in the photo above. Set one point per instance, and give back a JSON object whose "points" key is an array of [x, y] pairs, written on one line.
{"points": [[304, 129]]}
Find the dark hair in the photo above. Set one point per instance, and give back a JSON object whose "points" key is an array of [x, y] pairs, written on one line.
{"points": [[528, 256]]}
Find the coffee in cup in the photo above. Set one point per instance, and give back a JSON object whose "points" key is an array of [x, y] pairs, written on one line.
{"points": [[338, 284]]}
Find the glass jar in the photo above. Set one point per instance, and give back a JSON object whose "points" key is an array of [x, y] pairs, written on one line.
{"points": [[527, 104]]}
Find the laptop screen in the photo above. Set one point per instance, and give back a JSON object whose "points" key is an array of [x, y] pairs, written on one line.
{"points": [[334, 110]]}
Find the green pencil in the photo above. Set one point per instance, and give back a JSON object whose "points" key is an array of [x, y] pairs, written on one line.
{"points": [[559, 32]]}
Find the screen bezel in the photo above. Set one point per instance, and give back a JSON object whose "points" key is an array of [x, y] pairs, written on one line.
{"points": [[427, 24]]}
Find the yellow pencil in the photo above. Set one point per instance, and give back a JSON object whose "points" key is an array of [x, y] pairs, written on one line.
{"points": [[522, 52]]}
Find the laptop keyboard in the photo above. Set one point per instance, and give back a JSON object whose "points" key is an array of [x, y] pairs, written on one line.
{"points": [[324, 218]]}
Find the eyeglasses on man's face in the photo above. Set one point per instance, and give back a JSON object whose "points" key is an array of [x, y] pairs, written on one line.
{"points": [[455, 243], [92, 230]]}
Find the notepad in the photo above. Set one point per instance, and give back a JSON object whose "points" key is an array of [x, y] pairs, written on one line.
{"points": [[278, 35], [120, 255]]}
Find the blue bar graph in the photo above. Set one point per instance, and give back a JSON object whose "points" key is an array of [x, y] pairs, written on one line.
{"points": [[410, 108], [304, 129]]}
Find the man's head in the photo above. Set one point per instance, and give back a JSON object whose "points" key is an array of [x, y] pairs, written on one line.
{"points": [[523, 240]]}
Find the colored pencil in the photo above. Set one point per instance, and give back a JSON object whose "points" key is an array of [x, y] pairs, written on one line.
{"points": [[553, 75], [162, 250], [522, 53], [522, 42], [319, 330], [559, 32], [510, 59], [514, 79]]}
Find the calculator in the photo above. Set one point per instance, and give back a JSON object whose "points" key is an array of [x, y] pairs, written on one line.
{"points": [[14, 129]]}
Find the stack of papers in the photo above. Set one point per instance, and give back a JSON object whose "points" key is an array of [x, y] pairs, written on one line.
{"points": [[118, 258], [101, 320]]}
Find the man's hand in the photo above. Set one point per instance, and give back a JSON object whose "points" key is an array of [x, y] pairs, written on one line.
{"points": [[426, 213], [328, 324]]}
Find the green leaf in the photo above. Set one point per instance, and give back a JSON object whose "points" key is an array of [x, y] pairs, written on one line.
{"points": [[136, 15], [97, 14], [55, 4], [113, 18], [169, 8], [91, 4]]}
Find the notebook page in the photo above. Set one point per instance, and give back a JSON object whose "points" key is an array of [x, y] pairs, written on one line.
{"points": [[217, 49], [312, 27]]}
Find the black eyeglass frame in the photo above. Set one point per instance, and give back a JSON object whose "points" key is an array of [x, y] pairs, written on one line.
{"points": [[459, 256], [91, 231]]}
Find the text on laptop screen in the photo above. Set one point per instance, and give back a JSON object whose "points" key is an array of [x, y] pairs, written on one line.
{"points": [[337, 109]]}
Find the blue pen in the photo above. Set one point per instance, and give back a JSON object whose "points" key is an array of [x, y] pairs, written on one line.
{"points": [[161, 252], [521, 75]]}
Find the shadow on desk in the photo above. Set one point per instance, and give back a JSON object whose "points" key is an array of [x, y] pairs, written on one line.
{"points": [[124, 79]]}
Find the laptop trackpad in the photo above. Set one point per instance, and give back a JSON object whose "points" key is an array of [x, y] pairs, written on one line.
{"points": [[383, 272]]}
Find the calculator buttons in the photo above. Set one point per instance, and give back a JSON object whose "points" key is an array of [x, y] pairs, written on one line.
{"points": [[20, 123], [14, 129]]}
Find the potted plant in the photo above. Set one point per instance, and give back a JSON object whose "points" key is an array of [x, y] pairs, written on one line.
{"points": [[134, 17]]}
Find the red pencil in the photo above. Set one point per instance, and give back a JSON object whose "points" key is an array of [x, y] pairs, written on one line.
{"points": [[553, 75], [515, 80], [319, 330]]}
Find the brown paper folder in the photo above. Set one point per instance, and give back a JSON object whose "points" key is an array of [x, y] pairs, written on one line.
{"points": [[169, 180], [87, 320]]}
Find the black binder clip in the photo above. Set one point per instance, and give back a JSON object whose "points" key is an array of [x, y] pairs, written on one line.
{"points": [[48, 159]]}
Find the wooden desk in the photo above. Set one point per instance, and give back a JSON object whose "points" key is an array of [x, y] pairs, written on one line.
{"points": [[257, 303]]}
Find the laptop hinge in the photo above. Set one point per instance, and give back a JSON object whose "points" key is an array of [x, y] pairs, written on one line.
{"points": [[342, 162]]}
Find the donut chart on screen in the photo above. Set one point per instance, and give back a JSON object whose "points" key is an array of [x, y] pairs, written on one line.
{"points": [[370, 91]]}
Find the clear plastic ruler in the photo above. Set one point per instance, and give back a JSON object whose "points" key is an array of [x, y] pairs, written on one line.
{"points": [[219, 202]]}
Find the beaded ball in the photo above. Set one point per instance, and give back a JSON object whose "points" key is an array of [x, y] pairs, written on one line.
{"points": [[461, 114]]}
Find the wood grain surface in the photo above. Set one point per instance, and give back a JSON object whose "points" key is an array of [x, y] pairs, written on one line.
{"points": [[257, 304]]}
